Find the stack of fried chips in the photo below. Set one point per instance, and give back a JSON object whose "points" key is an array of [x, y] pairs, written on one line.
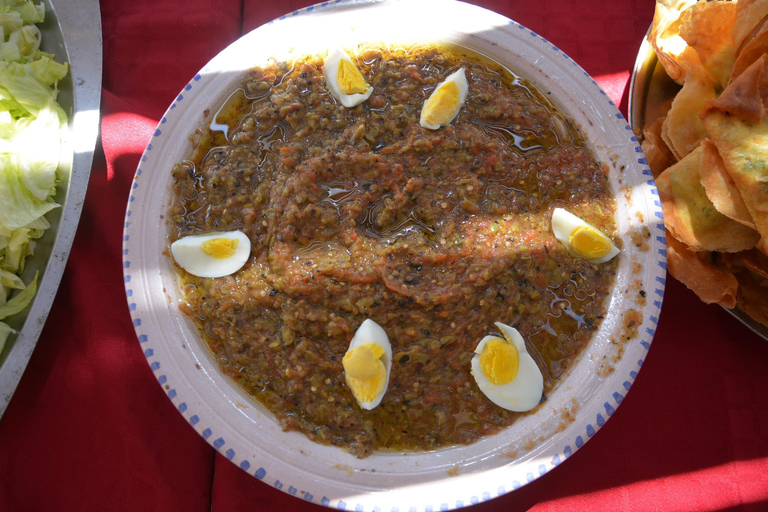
{"points": [[709, 153]]}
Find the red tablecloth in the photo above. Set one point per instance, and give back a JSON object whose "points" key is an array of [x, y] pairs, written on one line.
{"points": [[89, 428]]}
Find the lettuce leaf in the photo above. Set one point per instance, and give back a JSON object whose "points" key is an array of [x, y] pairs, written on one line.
{"points": [[10, 20], [27, 39], [13, 306], [18, 302], [10, 280], [5, 331]]}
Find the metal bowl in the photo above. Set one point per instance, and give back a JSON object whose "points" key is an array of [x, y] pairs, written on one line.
{"points": [[71, 31]]}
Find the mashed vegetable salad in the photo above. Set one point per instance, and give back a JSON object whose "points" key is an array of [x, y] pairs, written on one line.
{"points": [[30, 143]]}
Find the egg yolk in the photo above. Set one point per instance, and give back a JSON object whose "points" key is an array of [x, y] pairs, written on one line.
{"points": [[365, 372], [589, 243], [220, 248], [499, 361], [441, 106], [349, 79]]}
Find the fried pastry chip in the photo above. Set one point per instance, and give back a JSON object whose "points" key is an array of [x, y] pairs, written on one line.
{"points": [[672, 50], [713, 284], [720, 187], [682, 129], [746, 97], [753, 49], [751, 271], [691, 217], [750, 14], [737, 124], [752, 296], [656, 151], [706, 27], [753, 260], [756, 261]]}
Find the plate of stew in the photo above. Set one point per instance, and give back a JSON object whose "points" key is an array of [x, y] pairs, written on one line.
{"points": [[443, 236]]}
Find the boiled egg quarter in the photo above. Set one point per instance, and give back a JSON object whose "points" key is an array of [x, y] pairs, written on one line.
{"points": [[506, 373], [345, 81], [446, 100], [214, 254], [367, 364], [581, 238]]}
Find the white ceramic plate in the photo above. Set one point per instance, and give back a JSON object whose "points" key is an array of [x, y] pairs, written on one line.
{"points": [[248, 435]]}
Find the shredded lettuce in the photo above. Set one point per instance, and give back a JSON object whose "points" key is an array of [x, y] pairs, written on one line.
{"points": [[9, 280], [31, 122], [19, 301], [5, 331]]}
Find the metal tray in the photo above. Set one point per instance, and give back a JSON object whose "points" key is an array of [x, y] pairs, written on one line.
{"points": [[71, 31], [650, 88]]}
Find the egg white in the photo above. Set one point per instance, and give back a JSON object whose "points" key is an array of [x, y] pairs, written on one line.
{"points": [[371, 332], [460, 79], [331, 70], [190, 256], [522, 393], [563, 225]]}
